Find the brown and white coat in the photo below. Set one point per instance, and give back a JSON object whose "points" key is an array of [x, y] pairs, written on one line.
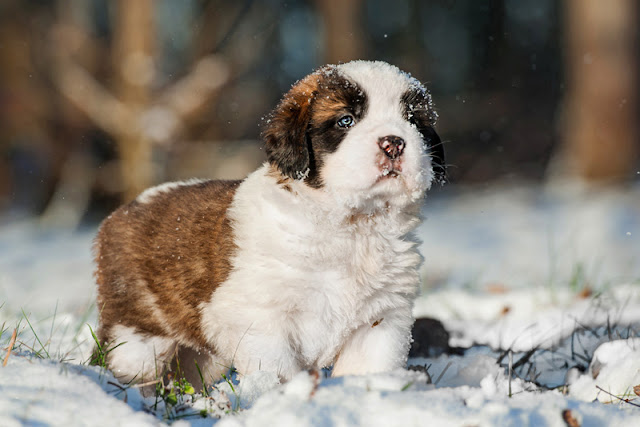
{"points": [[308, 262]]}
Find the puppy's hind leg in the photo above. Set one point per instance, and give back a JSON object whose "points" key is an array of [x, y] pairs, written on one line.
{"points": [[201, 368], [138, 358]]}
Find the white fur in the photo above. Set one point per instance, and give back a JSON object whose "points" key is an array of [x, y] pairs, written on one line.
{"points": [[354, 168], [315, 269], [320, 276], [308, 285], [138, 356], [147, 195]]}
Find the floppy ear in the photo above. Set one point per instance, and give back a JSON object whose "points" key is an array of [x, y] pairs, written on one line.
{"points": [[436, 152], [285, 131], [420, 113]]}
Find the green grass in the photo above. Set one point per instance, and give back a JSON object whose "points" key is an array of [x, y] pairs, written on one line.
{"points": [[205, 392], [42, 347], [175, 397], [101, 350]]}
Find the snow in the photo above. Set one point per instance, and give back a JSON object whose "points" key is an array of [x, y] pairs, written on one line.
{"points": [[525, 237], [550, 279], [404, 398], [51, 393], [526, 318], [615, 368]]}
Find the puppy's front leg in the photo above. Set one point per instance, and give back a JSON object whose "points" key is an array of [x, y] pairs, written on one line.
{"points": [[265, 351], [377, 347]]}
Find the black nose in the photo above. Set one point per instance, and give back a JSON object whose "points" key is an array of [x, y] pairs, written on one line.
{"points": [[392, 145]]}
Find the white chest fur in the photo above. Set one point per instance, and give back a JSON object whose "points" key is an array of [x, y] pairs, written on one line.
{"points": [[307, 276]]}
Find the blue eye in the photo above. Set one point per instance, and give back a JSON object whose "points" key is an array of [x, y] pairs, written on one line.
{"points": [[346, 121]]}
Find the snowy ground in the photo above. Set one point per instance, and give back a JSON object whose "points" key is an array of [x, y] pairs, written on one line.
{"points": [[551, 277]]}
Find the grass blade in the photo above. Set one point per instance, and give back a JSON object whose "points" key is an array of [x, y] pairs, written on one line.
{"points": [[36, 335]]}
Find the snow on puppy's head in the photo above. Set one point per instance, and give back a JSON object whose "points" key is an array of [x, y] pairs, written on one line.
{"points": [[361, 130]]}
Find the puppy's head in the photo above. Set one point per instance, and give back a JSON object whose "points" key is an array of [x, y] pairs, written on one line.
{"points": [[362, 130]]}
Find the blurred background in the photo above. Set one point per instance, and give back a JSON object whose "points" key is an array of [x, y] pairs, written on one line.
{"points": [[100, 99], [538, 104]]}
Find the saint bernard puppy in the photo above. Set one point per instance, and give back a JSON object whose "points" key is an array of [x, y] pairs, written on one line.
{"points": [[309, 262]]}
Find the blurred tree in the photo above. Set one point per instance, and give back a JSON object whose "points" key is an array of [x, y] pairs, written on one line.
{"points": [[133, 56], [140, 118], [35, 129], [600, 128], [343, 36], [100, 98]]}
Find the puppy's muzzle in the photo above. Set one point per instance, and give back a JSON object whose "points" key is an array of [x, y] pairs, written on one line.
{"points": [[392, 145]]}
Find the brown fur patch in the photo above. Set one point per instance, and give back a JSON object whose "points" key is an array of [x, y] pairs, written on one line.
{"points": [[303, 127], [285, 130], [157, 261]]}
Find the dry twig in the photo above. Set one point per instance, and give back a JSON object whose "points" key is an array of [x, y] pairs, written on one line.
{"points": [[619, 398], [11, 343]]}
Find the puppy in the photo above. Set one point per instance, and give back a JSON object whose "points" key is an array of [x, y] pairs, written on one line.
{"points": [[308, 262]]}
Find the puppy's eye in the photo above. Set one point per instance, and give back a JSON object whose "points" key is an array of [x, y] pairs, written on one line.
{"points": [[345, 121]]}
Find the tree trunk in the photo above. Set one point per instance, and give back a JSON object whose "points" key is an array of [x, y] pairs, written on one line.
{"points": [[133, 56], [342, 29], [600, 131]]}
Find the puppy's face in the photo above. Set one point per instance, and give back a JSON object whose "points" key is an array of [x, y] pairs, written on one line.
{"points": [[361, 130]]}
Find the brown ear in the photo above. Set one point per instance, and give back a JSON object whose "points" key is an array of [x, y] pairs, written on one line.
{"points": [[285, 130]]}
